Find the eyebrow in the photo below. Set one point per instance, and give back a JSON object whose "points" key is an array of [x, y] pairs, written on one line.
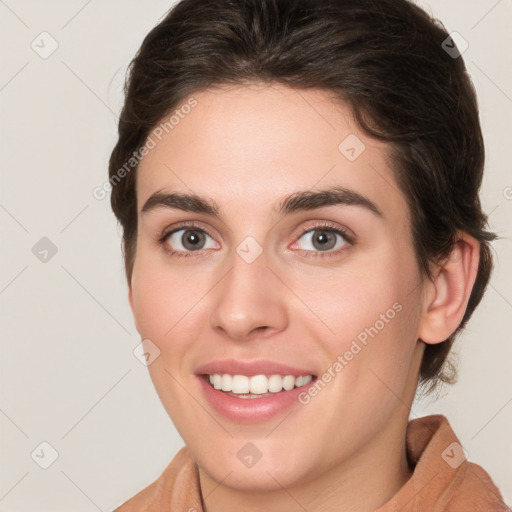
{"points": [[302, 200]]}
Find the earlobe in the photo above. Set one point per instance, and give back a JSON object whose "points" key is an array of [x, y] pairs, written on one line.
{"points": [[449, 291]]}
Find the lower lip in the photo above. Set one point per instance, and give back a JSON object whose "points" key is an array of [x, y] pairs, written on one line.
{"points": [[250, 410]]}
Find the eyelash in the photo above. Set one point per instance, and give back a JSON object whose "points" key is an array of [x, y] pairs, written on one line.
{"points": [[323, 226]]}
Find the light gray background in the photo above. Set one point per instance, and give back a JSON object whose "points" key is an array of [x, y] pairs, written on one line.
{"points": [[68, 373]]}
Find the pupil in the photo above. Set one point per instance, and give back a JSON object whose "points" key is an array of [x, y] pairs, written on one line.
{"points": [[323, 238], [192, 239]]}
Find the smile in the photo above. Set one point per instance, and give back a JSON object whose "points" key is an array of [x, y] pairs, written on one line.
{"points": [[256, 386]]}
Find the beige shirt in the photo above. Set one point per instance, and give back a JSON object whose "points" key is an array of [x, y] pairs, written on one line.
{"points": [[442, 481]]}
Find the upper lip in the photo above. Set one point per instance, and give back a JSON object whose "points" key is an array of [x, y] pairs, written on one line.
{"points": [[249, 368]]}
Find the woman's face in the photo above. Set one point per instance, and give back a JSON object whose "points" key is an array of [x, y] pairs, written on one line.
{"points": [[245, 278]]}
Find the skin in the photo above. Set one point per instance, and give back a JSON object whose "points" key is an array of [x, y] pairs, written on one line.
{"points": [[247, 147]]}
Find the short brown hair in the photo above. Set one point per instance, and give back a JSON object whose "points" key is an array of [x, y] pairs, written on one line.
{"points": [[384, 58]]}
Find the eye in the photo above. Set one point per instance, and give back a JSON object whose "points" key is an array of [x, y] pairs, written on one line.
{"points": [[186, 240], [323, 238]]}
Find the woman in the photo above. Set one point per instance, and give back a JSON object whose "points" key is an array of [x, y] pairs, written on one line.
{"points": [[297, 184]]}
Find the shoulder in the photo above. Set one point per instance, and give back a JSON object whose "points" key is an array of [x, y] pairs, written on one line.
{"points": [[177, 486], [474, 490], [443, 480]]}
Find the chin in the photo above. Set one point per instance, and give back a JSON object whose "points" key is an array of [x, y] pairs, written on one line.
{"points": [[270, 470]]}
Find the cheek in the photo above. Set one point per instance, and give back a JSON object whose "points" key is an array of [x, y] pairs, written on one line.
{"points": [[167, 305], [367, 361], [164, 297], [372, 313], [356, 301]]}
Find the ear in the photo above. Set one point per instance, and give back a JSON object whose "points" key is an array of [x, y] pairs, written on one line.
{"points": [[447, 293]]}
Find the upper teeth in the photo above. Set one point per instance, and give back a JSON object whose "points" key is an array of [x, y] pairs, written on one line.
{"points": [[257, 384]]}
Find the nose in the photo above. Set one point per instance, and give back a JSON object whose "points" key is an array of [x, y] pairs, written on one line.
{"points": [[249, 301]]}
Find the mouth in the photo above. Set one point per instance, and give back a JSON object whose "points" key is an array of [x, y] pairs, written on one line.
{"points": [[249, 391], [255, 386], [255, 398]]}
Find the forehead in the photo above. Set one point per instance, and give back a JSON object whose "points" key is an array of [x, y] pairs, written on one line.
{"points": [[255, 144]]}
